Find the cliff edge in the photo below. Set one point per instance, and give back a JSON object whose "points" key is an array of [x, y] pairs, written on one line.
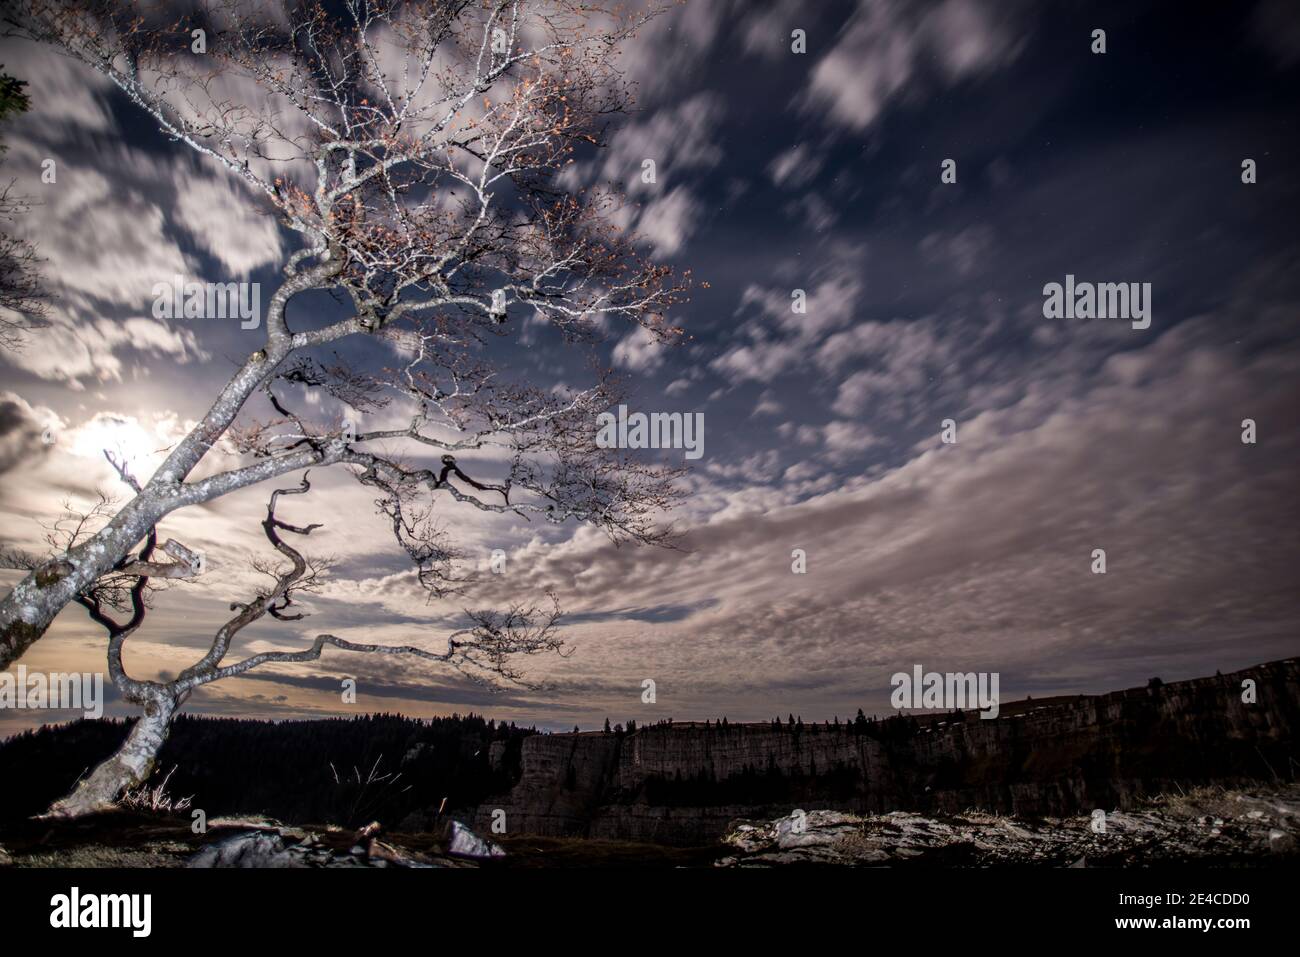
{"points": [[684, 784]]}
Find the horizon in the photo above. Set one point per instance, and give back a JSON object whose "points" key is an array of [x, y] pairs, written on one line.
{"points": [[1012, 707]]}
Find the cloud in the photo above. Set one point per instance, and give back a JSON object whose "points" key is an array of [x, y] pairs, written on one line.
{"points": [[766, 32], [768, 405], [667, 222], [795, 167], [964, 250], [889, 46], [677, 387], [890, 360], [639, 351], [115, 221], [673, 47], [681, 142], [222, 216], [814, 211], [679, 139], [846, 440], [67, 94], [22, 430], [979, 554], [105, 243], [782, 340]]}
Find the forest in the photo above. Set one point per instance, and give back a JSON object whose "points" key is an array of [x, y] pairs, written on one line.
{"points": [[344, 771]]}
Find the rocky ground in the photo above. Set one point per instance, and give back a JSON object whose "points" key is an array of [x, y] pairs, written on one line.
{"points": [[1252, 828], [153, 840], [1210, 825]]}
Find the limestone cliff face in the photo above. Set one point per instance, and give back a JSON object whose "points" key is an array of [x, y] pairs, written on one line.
{"points": [[684, 783]]}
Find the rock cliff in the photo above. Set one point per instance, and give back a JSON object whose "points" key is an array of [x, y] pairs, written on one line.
{"points": [[685, 783]]}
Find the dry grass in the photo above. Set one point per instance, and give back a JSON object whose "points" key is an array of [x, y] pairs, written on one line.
{"points": [[155, 799]]}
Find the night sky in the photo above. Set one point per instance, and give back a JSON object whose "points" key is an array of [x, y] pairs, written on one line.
{"points": [[778, 171]]}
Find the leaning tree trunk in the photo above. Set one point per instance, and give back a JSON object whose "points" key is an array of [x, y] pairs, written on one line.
{"points": [[27, 611], [130, 767]]}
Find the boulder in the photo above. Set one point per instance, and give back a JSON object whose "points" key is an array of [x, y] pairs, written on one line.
{"points": [[249, 849], [465, 843]]}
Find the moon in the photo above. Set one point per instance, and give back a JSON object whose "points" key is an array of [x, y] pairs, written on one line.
{"points": [[137, 447]]}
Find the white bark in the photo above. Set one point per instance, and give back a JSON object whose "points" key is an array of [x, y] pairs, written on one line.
{"points": [[128, 768]]}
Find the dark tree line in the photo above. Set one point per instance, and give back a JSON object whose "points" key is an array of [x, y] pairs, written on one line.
{"points": [[337, 771]]}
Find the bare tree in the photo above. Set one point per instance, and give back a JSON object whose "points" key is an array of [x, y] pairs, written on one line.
{"points": [[414, 149], [486, 649], [22, 302], [23, 308]]}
